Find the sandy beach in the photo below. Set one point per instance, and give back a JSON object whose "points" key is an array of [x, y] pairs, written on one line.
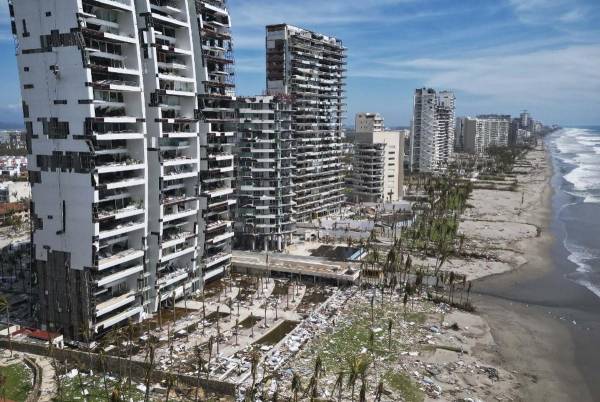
{"points": [[531, 336]]}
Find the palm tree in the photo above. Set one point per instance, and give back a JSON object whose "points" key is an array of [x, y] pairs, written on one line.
{"points": [[150, 358], [357, 368], [210, 347], [390, 324], [201, 366], [362, 396], [5, 306], [339, 383], [254, 361], [296, 386], [379, 392]]}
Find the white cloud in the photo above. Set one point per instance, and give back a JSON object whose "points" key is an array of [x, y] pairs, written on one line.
{"points": [[548, 11], [557, 79]]}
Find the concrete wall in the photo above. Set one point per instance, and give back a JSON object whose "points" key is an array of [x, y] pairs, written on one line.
{"points": [[114, 364]]}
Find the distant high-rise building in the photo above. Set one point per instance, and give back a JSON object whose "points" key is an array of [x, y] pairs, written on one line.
{"points": [[127, 107], [432, 135], [368, 122], [525, 119], [378, 167], [483, 132], [265, 150], [311, 68]]}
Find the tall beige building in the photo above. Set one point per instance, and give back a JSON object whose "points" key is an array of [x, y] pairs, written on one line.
{"points": [[378, 161]]}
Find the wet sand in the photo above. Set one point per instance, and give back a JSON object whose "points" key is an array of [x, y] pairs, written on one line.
{"points": [[546, 327]]}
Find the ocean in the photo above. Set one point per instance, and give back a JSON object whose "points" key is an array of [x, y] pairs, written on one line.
{"points": [[576, 159]]}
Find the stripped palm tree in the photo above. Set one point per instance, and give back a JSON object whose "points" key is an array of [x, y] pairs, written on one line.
{"points": [[5, 306], [296, 386], [379, 392], [338, 385]]}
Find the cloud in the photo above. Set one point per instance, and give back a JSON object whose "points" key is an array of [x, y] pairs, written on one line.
{"points": [[553, 80], [548, 11]]}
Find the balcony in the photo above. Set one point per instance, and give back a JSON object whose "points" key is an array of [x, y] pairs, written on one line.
{"points": [[120, 181], [113, 302], [118, 4], [177, 86], [112, 212], [174, 213], [178, 173], [116, 275], [118, 228], [220, 238], [108, 260], [219, 224], [218, 192], [179, 161], [175, 237], [119, 166], [178, 251], [122, 316], [216, 259], [172, 277], [168, 16]]}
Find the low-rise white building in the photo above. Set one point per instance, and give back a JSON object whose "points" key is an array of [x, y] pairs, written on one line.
{"points": [[14, 191]]}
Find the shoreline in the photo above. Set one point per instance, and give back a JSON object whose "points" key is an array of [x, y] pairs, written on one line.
{"points": [[532, 337]]}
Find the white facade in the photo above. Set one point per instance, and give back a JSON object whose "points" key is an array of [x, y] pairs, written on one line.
{"points": [[14, 191], [265, 185], [311, 68], [378, 167], [479, 134], [368, 122], [432, 136], [218, 126], [111, 94]]}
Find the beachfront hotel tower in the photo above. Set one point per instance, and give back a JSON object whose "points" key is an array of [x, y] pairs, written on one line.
{"points": [[432, 131], [311, 68], [213, 48], [265, 208], [120, 144]]}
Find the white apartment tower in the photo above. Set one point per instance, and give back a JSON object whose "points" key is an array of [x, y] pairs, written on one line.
{"points": [[310, 67], [378, 167], [216, 88], [111, 103], [265, 185], [483, 132], [368, 123], [432, 136]]}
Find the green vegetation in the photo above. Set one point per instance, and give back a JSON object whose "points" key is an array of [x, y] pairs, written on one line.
{"points": [[352, 338], [72, 389], [403, 384], [15, 382]]}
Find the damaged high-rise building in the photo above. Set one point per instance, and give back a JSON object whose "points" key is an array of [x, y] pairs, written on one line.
{"points": [[129, 118], [432, 134], [265, 173], [311, 68]]}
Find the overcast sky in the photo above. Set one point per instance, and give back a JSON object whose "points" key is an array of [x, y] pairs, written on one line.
{"points": [[499, 56]]}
